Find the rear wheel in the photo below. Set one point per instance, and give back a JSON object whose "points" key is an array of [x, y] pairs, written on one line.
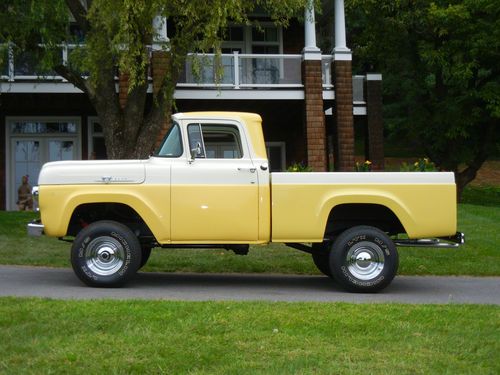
{"points": [[105, 254], [363, 259]]}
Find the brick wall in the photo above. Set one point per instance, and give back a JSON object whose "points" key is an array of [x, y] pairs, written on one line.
{"points": [[344, 122], [314, 115]]}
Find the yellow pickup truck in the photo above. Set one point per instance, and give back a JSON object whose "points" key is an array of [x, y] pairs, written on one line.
{"points": [[209, 186]]}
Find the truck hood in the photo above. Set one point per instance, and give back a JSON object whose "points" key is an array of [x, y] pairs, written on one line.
{"points": [[92, 172]]}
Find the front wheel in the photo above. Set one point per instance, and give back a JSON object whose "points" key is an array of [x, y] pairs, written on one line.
{"points": [[321, 258], [105, 254], [363, 259]]}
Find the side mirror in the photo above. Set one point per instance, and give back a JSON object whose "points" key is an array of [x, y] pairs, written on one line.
{"points": [[195, 151]]}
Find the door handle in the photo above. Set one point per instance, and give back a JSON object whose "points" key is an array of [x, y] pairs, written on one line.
{"points": [[251, 170]]}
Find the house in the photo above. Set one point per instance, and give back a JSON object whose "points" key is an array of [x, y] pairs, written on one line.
{"points": [[308, 100]]}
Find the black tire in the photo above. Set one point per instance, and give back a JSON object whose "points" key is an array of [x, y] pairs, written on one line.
{"points": [[145, 254], [321, 258], [364, 259], [105, 254]]}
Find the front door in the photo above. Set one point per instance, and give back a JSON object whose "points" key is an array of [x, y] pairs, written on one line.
{"points": [[29, 154], [215, 195]]}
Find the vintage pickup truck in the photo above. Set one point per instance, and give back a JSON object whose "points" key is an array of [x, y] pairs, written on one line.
{"points": [[209, 185]]}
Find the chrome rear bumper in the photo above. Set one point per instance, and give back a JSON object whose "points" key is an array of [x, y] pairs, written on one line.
{"points": [[35, 228], [451, 242]]}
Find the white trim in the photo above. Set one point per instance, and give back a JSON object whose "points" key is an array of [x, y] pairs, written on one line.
{"points": [[328, 95], [311, 54], [362, 178], [373, 77], [39, 87], [359, 111], [342, 55], [240, 94]]}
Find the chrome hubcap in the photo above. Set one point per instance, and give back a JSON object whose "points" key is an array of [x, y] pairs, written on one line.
{"points": [[365, 260], [104, 255]]}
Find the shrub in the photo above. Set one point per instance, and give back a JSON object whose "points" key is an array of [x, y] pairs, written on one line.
{"points": [[421, 165], [363, 167], [299, 167]]}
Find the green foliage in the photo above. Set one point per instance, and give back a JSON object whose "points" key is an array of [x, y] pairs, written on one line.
{"points": [[363, 167], [441, 74], [118, 35], [421, 165], [482, 196], [299, 167]]}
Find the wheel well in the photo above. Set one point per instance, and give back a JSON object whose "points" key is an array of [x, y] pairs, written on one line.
{"points": [[345, 216], [88, 213]]}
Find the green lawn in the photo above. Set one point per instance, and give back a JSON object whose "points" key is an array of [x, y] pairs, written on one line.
{"points": [[136, 337], [480, 256]]}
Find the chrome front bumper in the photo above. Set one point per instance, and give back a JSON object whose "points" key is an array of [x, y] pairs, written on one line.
{"points": [[35, 228]]}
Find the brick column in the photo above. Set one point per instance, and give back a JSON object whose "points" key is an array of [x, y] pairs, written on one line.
{"points": [[314, 115], [375, 123], [123, 85], [344, 121], [159, 66]]}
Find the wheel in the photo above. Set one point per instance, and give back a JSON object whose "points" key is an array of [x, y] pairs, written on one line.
{"points": [[321, 258], [363, 259], [145, 253], [105, 254]]}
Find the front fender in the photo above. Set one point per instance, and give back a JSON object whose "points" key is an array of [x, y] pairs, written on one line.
{"points": [[151, 202]]}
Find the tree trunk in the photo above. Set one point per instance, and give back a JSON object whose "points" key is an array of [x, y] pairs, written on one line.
{"points": [[467, 175], [486, 135]]}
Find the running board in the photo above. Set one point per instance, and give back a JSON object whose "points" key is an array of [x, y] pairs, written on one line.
{"points": [[451, 242]]}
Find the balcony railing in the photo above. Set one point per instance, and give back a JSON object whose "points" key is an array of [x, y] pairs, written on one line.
{"points": [[232, 71], [242, 71]]}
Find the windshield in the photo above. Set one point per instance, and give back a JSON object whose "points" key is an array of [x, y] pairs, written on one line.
{"points": [[171, 146]]}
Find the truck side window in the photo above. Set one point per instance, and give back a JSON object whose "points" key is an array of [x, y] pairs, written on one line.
{"points": [[221, 141], [172, 144]]}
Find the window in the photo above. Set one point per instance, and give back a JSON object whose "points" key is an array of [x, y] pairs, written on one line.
{"points": [[266, 40], [43, 127], [172, 144], [97, 146], [213, 141]]}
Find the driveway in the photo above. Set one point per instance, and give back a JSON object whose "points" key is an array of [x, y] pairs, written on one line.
{"points": [[61, 283]]}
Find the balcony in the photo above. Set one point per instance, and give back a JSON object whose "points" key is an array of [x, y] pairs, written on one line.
{"points": [[236, 76]]}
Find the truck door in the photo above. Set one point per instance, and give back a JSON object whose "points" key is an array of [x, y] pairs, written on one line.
{"points": [[215, 192]]}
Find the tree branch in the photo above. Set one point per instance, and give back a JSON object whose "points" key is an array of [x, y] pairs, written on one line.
{"points": [[79, 12], [75, 79]]}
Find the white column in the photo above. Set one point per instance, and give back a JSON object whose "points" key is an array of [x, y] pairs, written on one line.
{"points": [[341, 52], [160, 28], [310, 51]]}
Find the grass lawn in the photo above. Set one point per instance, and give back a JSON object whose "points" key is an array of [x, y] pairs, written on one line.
{"points": [[478, 219], [160, 337]]}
